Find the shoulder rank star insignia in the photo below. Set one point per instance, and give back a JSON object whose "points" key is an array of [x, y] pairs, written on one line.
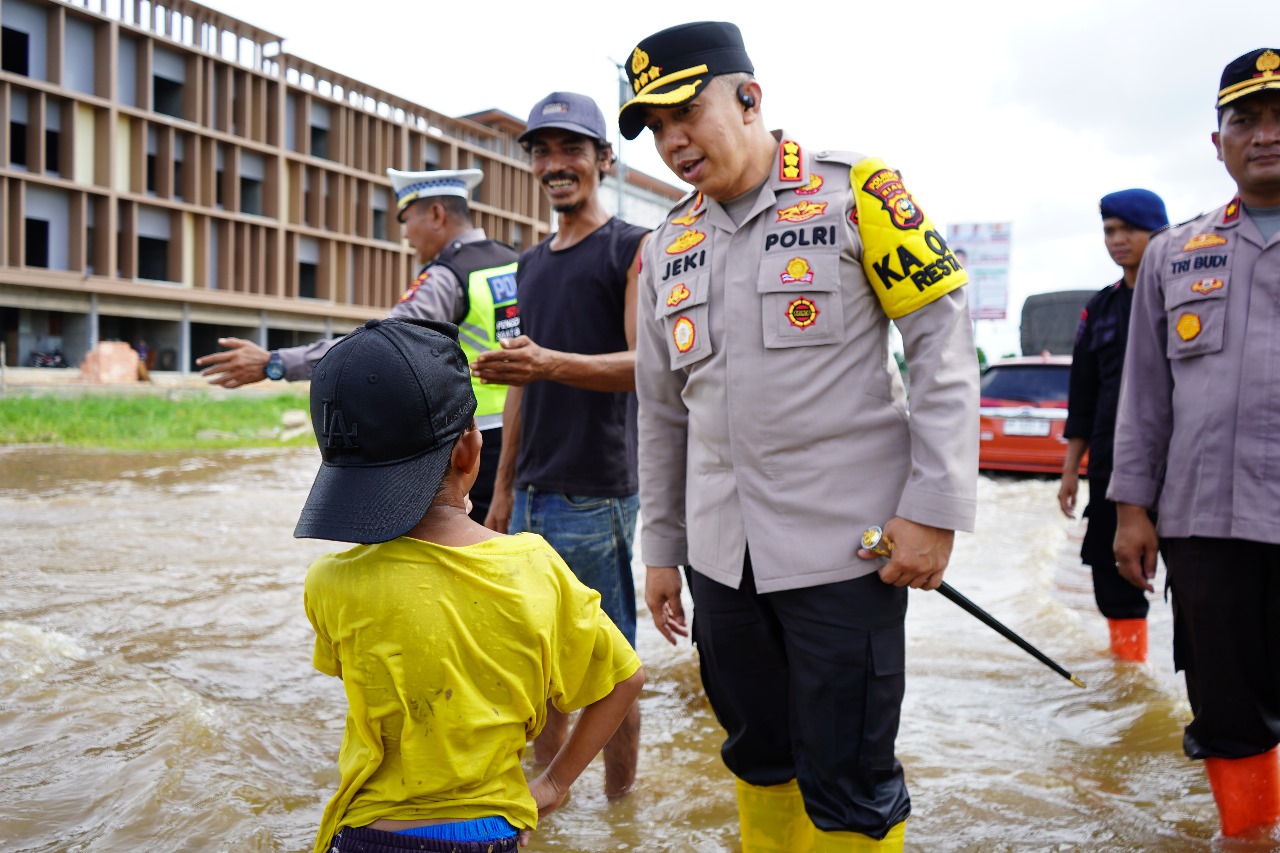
{"points": [[1207, 285], [815, 184], [1204, 241], [789, 161], [686, 241], [797, 272], [1232, 213], [802, 211]]}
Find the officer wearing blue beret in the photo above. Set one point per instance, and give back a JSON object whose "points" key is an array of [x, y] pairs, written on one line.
{"points": [[1128, 218]]}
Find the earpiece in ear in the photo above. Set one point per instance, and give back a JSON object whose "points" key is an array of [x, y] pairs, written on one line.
{"points": [[745, 98]]}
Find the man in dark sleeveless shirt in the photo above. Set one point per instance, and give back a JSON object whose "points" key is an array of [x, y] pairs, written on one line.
{"points": [[568, 466]]}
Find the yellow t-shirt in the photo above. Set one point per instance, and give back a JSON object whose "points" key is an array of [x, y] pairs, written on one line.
{"points": [[448, 657]]}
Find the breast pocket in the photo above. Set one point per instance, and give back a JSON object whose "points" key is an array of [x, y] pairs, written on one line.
{"points": [[801, 303], [682, 311], [1196, 310]]}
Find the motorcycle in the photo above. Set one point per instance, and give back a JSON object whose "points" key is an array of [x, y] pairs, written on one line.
{"points": [[53, 358]]}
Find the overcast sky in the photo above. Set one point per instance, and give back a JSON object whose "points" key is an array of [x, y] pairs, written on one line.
{"points": [[1022, 112]]}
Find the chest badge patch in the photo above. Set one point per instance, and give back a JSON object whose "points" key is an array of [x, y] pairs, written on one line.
{"points": [[802, 211], [1204, 241], [886, 187], [686, 241], [689, 218], [815, 184], [802, 313], [678, 294], [797, 272], [1207, 285], [1188, 326], [683, 333]]}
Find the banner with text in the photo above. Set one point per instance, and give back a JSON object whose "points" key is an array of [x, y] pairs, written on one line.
{"points": [[983, 249]]}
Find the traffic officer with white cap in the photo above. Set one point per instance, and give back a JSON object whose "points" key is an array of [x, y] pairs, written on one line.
{"points": [[774, 431], [467, 279], [1196, 437]]}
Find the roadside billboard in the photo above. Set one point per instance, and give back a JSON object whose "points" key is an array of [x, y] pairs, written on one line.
{"points": [[983, 250]]}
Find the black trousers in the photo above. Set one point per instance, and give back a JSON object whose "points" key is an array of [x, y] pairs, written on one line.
{"points": [[1226, 639], [482, 492], [808, 684], [1116, 597]]}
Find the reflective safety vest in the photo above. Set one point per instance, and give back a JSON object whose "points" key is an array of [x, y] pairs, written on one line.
{"points": [[489, 270]]}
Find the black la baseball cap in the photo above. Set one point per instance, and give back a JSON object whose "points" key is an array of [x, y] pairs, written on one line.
{"points": [[673, 66], [1256, 70], [388, 402]]}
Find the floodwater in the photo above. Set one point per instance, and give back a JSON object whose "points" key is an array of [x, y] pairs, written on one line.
{"points": [[156, 692]]}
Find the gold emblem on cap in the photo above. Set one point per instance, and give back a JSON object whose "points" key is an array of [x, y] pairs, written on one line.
{"points": [[639, 61], [1268, 62]]}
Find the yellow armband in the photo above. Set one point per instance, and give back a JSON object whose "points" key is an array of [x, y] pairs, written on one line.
{"points": [[905, 258]]}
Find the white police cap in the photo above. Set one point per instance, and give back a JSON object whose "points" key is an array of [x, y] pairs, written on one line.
{"points": [[411, 186]]}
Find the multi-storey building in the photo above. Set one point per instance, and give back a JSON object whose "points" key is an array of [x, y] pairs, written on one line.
{"points": [[169, 173]]}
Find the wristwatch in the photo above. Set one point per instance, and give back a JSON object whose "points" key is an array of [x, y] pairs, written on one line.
{"points": [[275, 367]]}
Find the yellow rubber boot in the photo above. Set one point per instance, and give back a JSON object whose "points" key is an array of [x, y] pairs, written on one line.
{"points": [[1129, 639], [772, 819], [856, 842], [1247, 791]]}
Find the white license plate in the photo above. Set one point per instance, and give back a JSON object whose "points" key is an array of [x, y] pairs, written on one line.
{"points": [[1026, 426]]}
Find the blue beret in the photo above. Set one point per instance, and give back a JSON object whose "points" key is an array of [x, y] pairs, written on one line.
{"points": [[1140, 208]]}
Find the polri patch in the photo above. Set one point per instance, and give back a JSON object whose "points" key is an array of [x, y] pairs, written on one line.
{"points": [[887, 188], [815, 184], [678, 294], [1188, 326], [1207, 285]]}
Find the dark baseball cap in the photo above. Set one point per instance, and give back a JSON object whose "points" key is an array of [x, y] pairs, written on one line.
{"points": [[1256, 70], [673, 66], [567, 111], [388, 403]]}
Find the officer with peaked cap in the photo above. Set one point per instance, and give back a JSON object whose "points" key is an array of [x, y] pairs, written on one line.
{"points": [[1097, 362], [1196, 438], [466, 279], [774, 430]]}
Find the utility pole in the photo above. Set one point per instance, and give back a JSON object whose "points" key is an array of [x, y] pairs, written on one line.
{"points": [[621, 170]]}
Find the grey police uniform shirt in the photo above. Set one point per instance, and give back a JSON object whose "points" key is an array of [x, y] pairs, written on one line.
{"points": [[781, 421], [1200, 398], [440, 297]]}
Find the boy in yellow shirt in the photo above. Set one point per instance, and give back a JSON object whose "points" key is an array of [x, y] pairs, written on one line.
{"points": [[449, 638]]}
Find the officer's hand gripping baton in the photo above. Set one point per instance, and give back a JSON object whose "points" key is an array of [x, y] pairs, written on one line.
{"points": [[873, 540]]}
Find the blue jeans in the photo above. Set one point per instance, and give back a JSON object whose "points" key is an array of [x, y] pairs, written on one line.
{"points": [[593, 536]]}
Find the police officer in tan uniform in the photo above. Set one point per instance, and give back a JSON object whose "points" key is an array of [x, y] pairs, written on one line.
{"points": [[774, 430], [1197, 436]]}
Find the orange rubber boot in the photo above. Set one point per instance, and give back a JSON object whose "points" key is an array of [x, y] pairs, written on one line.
{"points": [[1129, 639], [1247, 791]]}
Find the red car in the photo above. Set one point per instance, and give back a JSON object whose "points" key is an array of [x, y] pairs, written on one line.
{"points": [[1023, 412]]}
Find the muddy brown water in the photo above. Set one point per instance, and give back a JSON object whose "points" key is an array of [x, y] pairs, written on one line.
{"points": [[156, 692]]}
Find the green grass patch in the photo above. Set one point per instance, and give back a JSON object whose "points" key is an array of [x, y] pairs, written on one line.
{"points": [[193, 421]]}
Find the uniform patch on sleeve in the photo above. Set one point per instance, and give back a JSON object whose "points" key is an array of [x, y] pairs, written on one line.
{"points": [[412, 290], [906, 260]]}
